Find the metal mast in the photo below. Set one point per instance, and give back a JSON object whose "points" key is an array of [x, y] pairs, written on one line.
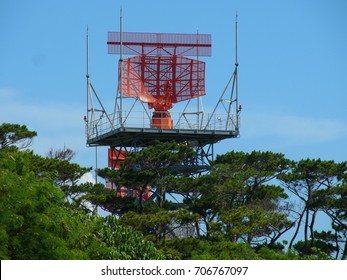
{"points": [[230, 105], [90, 105], [89, 97], [236, 72], [120, 64]]}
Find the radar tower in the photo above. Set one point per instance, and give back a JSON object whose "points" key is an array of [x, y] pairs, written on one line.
{"points": [[158, 75]]}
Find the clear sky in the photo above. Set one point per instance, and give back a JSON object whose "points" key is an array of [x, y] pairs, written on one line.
{"points": [[292, 72]]}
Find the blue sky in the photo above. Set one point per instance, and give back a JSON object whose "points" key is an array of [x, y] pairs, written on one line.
{"points": [[292, 72]]}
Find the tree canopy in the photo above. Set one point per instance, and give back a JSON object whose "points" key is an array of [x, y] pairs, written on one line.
{"points": [[15, 135], [38, 221], [257, 205]]}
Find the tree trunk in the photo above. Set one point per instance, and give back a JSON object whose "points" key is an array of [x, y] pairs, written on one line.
{"points": [[197, 228], [297, 230], [312, 227], [142, 190], [207, 228], [307, 212], [337, 245], [344, 254]]}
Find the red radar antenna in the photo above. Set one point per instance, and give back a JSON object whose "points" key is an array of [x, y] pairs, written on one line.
{"points": [[160, 74]]}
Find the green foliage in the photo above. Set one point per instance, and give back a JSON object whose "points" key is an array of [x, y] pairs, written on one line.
{"points": [[38, 223], [127, 244], [252, 223], [160, 224], [318, 249], [317, 185], [202, 249], [224, 250], [219, 249], [240, 209], [152, 167], [61, 172], [237, 199], [31, 213], [15, 135]]}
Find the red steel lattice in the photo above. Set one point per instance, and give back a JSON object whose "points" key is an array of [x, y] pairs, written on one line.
{"points": [[159, 44], [162, 79]]}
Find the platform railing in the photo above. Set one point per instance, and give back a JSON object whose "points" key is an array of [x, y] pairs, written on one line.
{"points": [[181, 121]]}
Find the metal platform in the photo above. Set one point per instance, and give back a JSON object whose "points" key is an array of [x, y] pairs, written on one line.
{"points": [[142, 137], [133, 129]]}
